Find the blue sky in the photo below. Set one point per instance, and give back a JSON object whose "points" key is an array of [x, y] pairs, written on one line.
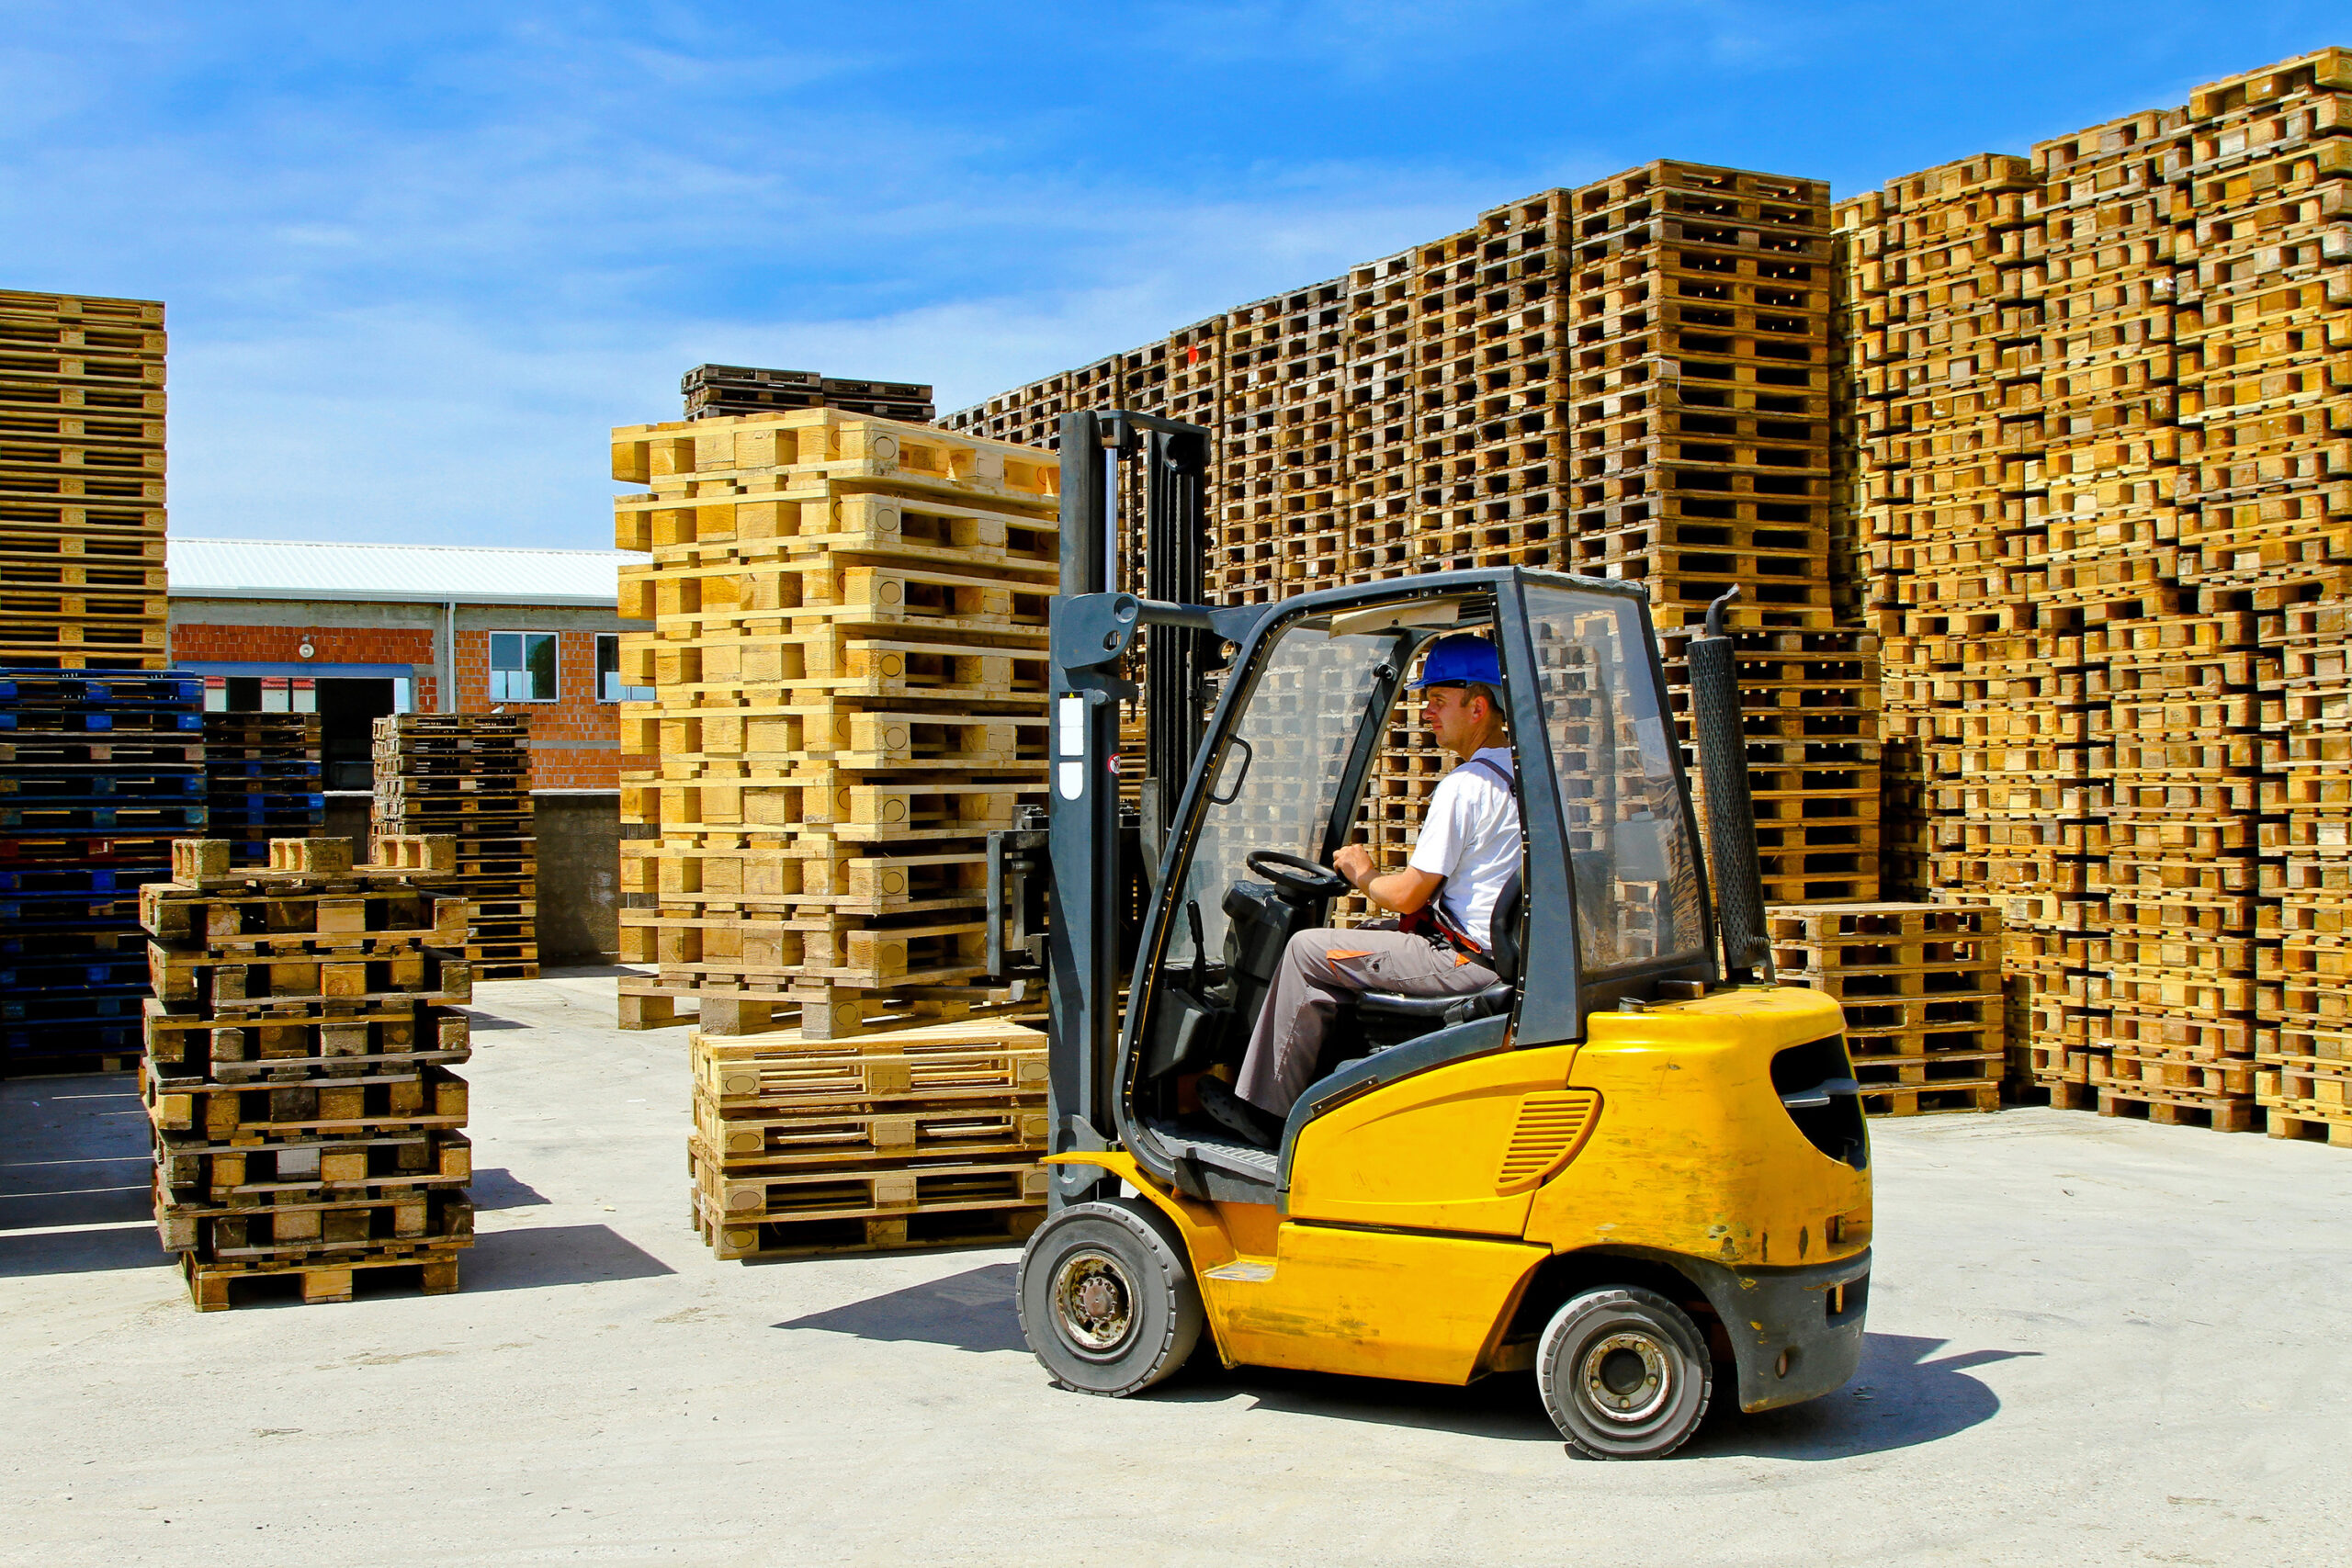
{"points": [[418, 259]]}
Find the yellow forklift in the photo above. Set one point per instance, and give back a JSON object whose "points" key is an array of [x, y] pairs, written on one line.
{"points": [[1631, 1165]]}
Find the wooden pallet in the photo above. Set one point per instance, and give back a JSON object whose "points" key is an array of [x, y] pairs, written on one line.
{"points": [[188, 1168], [975, 1057], [215, 1288]]}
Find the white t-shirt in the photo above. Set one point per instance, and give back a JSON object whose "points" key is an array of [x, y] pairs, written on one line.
{"points": [[1470, 837]]}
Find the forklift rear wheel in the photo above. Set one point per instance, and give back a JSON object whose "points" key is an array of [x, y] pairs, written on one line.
{"points": [[1108, 1301], [1625, 1373]]}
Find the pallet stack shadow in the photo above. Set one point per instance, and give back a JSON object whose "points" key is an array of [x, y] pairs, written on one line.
{"points": [[298, 1071], [726, 391], [1921, 989], [97, 774], [1629, 380], [2101, 468], [82, 482], [469, 775], [848, 657], [262, 781]]}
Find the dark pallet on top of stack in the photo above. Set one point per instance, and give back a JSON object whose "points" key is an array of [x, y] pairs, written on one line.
{"points": [[298, 1076], [97, 774], [717, 392], [262, 780], [469, 775]]}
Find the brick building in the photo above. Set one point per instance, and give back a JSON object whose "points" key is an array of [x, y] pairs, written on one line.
{"points": [[354, 631]]}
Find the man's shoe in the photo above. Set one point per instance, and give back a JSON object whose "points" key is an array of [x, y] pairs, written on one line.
{"points": [[1234, 1115]]}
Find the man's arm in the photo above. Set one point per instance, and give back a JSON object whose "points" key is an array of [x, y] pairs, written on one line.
{"points": [[1401, 892]]}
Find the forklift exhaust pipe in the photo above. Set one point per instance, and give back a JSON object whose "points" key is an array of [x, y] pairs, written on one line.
{"points": [[1730, 812]]}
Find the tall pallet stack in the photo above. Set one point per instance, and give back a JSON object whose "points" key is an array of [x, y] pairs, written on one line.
{"points": [[82, 473], [2263, 169], [469, 775], [1629, 380], [298, 1070], [2098, 696], [98, 773], [262, 780], [848, 655]]}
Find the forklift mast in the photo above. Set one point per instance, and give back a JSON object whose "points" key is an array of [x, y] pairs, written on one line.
{"points": [[1090, 935]]}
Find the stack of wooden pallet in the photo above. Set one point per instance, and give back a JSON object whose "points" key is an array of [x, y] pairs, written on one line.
{"points": [[2303, 1021], [921, 1137], [2264, 290], [262, 780], [848, 658], [1921, 988], [469, 775], [2095, 638], [299, 1049], [1810, 704], [98, 773], [81, 538], [1626, 380]]}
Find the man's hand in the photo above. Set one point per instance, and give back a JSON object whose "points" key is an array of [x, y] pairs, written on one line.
{"points": [[1354, 862]]}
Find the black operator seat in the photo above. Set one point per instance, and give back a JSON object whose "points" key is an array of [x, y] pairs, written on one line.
{"points": [[1503, 957]]}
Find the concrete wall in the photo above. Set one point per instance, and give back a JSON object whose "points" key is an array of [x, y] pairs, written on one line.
{"points": [[579, 851]]}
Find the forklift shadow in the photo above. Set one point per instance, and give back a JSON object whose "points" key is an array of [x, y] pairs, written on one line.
{"points": [[1898, 1398], [971, 1311], [1503, 1407]]}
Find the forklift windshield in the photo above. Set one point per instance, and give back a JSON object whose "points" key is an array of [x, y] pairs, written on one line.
{"points": [[1310, 697], [1633, 859]]}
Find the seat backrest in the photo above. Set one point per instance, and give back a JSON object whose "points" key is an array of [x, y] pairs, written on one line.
{"points": [[1502, 930]]}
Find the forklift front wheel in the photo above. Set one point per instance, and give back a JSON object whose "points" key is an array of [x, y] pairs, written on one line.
{"points": [[1108, 1301], [1625, 1373]]}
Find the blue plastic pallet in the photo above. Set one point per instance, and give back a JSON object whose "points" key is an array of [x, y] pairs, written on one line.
{"points": [[88, 976], [50, 688], [95, 782], [56, 821], [80, 878]]}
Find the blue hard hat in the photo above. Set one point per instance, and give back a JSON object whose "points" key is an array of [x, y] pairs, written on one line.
{"points": [[1462, 657]]}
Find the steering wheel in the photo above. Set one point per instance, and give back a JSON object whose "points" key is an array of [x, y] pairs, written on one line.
{"points": [[1297, 874]]}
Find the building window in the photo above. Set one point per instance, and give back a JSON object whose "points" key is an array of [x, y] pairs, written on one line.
{"points": [[522, 667], [608, 673]]}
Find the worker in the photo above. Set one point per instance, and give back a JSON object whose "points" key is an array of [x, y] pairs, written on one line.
{"points": [[1467, 851]]}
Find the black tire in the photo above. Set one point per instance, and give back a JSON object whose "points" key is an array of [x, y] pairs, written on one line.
{"points": [[1625, 1373], [1108, 1301]]}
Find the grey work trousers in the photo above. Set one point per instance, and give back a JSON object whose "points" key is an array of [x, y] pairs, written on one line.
{"points": [[1322, 968]]}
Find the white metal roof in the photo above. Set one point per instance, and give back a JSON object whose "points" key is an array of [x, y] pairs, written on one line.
{"points": [[468, 574]]}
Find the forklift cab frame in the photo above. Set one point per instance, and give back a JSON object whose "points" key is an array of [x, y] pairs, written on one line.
{"points": [[1289, 754]]}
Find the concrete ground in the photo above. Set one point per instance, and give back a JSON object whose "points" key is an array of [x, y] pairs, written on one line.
{"points": [[2091, 1341]]}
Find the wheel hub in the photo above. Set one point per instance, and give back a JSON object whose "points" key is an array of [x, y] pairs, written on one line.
{"points": [[1627, 1376], [1093, 1301]]}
